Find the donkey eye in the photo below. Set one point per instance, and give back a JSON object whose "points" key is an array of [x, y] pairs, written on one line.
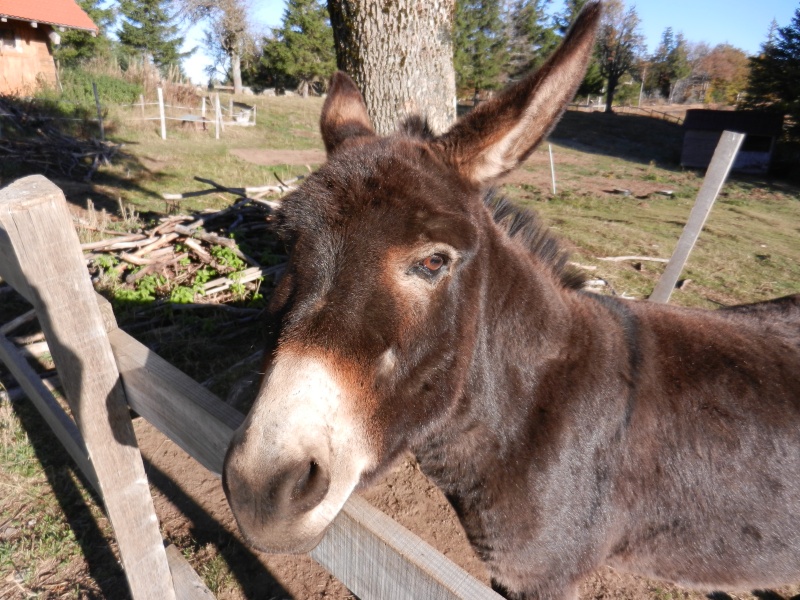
{"points": [[431, 266], [433, 263]]}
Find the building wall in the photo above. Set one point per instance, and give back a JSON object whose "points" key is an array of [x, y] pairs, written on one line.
{"points": [[25, 61]]}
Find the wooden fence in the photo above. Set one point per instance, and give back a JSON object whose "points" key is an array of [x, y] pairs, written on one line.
{"points": [[103, 371]]}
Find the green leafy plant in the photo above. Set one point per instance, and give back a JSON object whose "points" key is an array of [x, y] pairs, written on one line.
{"points": [[182, 294], [227, 257]]}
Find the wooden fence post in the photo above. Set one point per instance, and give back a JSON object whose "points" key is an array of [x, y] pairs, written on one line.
{"points": [[99, 112], [40, 257], [217, 115], [141, 99], [161, 114], [203, 108], [718, 170]]}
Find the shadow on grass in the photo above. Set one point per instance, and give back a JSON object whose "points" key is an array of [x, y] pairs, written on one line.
{"points": [[59, 141], [631, 137], [103, 566], [250, 573]]}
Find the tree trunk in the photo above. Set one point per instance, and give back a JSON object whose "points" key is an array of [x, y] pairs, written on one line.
{"points": [[400, 54], [236, 71], [610, 91]]}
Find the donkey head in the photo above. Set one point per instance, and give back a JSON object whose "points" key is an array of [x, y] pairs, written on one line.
{"points": [[379, 302]]}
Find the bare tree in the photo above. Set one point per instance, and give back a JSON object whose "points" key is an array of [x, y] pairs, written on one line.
{"points": [[227, 33], [619, 45], [400, 54]]}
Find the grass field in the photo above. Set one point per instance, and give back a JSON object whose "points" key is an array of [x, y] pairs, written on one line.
{"points": [[749, 251]]}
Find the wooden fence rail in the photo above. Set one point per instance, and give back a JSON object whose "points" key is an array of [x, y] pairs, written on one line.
{"points": [[370, 553]]}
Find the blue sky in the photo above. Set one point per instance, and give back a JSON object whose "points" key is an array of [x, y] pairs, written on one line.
{"points": [[742, 23]]}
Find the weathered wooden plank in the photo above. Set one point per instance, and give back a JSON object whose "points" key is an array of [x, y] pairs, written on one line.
{"points": [[40, 253], [375, 557], [188, 585], [63, 427], [369, 552], [716, 175], [174, 403]]}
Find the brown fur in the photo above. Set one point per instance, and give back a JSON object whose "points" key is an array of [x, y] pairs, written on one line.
{"points": [[568, 430]]}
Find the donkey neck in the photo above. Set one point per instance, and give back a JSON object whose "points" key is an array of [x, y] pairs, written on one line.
{"points": [[523, 330]]}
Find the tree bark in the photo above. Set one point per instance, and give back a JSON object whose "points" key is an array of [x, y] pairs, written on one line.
{"points": [[400, 54], [236, 71], [612, 89]]}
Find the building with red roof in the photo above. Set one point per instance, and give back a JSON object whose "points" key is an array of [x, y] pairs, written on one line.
{"points": [[28, 31]]}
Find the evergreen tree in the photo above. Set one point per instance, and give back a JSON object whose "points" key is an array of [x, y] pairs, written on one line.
{"points": [[531, 36], [79, 46], [302, 48], [148, 29], [593, 82], [669, 63], [774, 80], [479, 54]]}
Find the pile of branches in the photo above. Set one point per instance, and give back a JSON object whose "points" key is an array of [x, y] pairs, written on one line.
{"points": [[210, 257], [30, 137]]}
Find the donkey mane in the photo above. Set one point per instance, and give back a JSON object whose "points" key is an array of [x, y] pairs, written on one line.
{"points": [[526, 228]]}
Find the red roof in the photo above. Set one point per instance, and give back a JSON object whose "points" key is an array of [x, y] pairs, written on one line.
{"points": [[60, 13]]}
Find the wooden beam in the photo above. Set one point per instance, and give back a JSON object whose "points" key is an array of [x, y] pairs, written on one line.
{"points": [[717, 173], [63, 427], [39, 250], [174, 403]]}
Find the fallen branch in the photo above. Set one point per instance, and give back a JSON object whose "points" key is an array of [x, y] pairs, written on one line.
{"points": [[624, 258]]}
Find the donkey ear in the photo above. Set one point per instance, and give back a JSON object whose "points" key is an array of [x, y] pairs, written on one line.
{"points": [[501, 133], [344, 114]]}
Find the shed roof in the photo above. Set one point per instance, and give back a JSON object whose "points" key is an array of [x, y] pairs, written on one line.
{"points": [[751, 122], [60, 13]]}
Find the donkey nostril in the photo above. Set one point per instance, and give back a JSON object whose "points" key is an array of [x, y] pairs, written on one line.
{"points": [[311, 486]]}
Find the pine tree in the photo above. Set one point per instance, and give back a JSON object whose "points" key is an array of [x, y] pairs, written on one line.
{"points": [[593, 82], [479, 54], [669, 63], [302, 48], [774, 80], [148, 29], [79, 46], [531, 36]]}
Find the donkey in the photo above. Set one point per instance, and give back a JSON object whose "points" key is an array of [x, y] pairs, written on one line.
{"points": [[568, 430]]}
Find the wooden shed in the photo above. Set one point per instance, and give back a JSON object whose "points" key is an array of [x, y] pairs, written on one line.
{"points": [[28, 31], [703, 128]]}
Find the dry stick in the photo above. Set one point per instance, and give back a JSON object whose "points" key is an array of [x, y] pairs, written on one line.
{"points": [[624, 258], [197, 249], [133, 237], [156, 266], [162, 241], [223, 283], [213, 238], [717, 173]]}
